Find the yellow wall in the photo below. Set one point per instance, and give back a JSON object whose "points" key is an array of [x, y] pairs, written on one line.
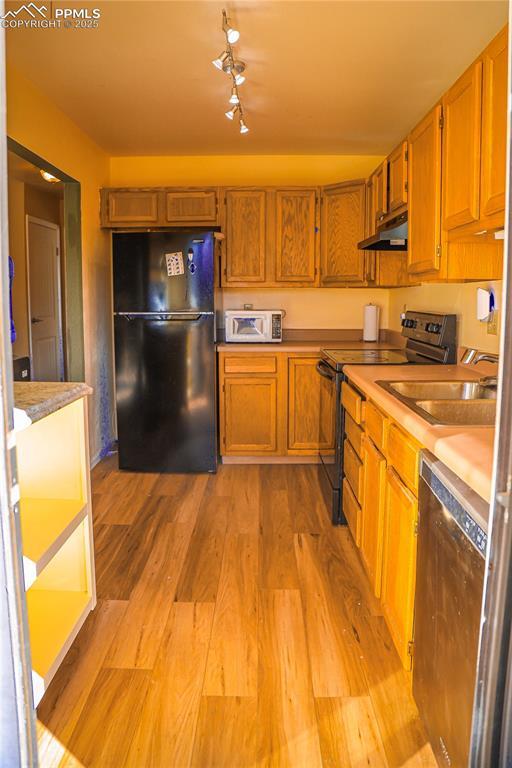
{"points": [[458, 298], [239, 169], [36, 123], [315, 307]]}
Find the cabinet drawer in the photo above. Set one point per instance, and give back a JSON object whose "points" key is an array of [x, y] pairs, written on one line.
{"points": [[353, 467], [352, 512], [354, 434], [250, 364], [403, 455], [376, 425], [352, 402]]}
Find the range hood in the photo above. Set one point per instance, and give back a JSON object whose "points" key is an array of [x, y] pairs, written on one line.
{"points": [[392, 236]]}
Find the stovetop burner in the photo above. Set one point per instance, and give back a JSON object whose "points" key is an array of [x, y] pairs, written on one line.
{"points": [[340, 357]]}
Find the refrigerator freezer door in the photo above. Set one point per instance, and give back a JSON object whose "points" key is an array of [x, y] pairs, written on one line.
{"points": [[163, 271], [165, 390]]}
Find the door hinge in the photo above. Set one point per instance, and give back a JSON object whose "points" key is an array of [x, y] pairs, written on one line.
{"points": [[438, 250], [406, 155], [416, 528], [441, 121], [223, 387], [410, 648], [406, 186]]}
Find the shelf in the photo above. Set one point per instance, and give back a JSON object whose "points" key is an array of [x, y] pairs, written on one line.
{"points": [[45, 526], [54, 618]]}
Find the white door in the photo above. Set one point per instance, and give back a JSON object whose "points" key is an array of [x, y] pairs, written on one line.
{"points": [[43, 261]]}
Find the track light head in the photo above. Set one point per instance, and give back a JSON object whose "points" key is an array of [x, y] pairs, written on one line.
{"points": [[243, 127], [239, 79], [220, 60], [234, 96], [231, 113], [232, 34]]}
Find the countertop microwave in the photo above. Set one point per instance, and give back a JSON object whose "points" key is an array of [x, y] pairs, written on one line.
{"points": [[253, 326]]}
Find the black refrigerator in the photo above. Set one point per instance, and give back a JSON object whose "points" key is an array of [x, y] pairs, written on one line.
{"points": [[164, 335]]}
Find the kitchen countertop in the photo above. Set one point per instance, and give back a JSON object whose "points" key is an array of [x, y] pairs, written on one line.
{"points": [[466, 450], [302, 346], [41, 398]]}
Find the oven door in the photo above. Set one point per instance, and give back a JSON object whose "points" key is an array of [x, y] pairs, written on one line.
{"points": [[330, 469]]}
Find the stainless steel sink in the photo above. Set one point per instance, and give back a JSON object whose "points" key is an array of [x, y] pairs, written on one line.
{"points": [[441, 390], [447, 402], [469, 412]]}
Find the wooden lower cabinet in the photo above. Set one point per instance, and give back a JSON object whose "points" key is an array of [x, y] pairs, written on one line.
{"points": [[373, 506], [274, 404], [310, 407], [399, 564], [249, 415]]}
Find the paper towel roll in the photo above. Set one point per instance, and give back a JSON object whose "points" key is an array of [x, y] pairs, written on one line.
{"points": [[371, 323]]}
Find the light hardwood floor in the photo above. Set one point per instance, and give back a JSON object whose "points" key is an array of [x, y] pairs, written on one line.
{"points": [[235, 627]]}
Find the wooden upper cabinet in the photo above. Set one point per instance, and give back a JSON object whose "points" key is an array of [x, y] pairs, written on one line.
{"points": [[399, 564], [462, 111], [191, 206], [380, 192], [342, 227], [494, 126], [296, 236], [424, 193], [310, 407], [245, 229], [129, 207], [397, 169]]}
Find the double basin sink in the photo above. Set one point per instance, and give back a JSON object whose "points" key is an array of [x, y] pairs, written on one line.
{"points": [[469, 403]]}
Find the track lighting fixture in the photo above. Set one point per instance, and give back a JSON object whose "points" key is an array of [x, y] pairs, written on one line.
{"points": [[227, 63]]}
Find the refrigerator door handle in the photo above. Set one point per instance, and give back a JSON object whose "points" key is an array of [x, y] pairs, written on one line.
{"points": [[191, 316]]}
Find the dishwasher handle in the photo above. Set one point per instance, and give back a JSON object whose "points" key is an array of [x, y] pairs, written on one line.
{"points": [[325, 370]]}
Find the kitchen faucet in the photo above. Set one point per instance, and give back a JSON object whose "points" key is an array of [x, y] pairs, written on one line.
{"points": [[474, 356]]}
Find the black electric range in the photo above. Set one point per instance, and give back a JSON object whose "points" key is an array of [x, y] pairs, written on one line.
{"points": [[431, 339]]}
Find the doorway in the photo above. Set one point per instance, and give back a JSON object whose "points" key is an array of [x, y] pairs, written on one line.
{"points": [[46, 261], [44, 300]]}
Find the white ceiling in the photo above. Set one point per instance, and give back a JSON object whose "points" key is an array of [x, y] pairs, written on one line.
{"points": [[347, 77]]}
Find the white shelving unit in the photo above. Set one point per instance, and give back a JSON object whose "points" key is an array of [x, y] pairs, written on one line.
{"points": [[56, 525]]}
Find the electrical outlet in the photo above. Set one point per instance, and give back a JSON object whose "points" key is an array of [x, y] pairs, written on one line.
{"points": [[492, 323]]}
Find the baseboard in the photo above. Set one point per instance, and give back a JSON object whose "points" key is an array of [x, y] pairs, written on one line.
{"points": [[270, 460]]}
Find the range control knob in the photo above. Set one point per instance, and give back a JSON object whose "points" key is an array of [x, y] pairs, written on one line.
{"points": [[433, 327]]}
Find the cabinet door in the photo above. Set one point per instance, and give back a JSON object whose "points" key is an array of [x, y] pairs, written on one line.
{"points": [[310, 407], [295, 236], [249, 415], [245, 229], [380, 191], [343, 212], [462, 114], [424, 167], [494, 126], [397, 164], [191, 206], [370, 225], [399, 564], [131, 207], [374, 468]]}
